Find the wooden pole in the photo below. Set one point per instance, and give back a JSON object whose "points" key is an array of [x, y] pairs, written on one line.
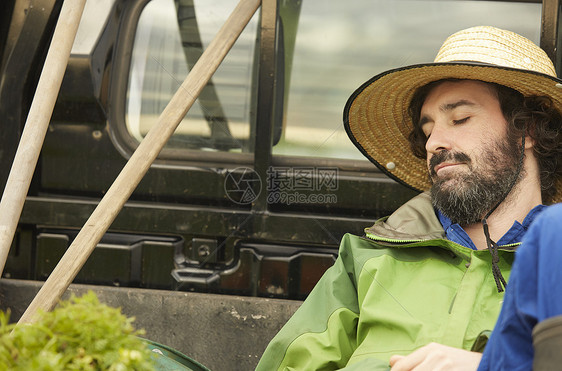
{"points": [[37, 123], [139, 163]]}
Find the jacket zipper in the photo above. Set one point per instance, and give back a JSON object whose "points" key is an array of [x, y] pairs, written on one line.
{"points": [[391, 240], [383, 239]]}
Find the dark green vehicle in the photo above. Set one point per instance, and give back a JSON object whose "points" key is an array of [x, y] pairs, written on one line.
{"points": [[245, 206]]}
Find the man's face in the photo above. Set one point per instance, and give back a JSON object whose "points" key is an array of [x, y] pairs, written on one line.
{"points": [[471, 162]]}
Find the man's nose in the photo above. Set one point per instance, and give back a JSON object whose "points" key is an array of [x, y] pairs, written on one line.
{"points": [[438, 141]]}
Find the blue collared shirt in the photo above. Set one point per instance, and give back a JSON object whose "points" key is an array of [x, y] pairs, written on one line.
{"points": [[456, 233]]}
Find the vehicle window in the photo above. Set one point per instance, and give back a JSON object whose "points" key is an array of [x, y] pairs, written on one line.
{"points": [[170, 37], [341, 44], [338, 46]]}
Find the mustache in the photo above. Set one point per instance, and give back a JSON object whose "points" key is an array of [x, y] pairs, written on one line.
{"points": [[448, 156]]}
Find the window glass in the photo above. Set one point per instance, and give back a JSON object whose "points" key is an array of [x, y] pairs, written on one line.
{"points": [[341, 44], [170, 37]]}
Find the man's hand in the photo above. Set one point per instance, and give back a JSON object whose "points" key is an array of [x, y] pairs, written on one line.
{"points": [[435, 357]]}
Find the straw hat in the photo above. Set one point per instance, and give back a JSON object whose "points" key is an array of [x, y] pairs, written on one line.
{"points": [[376, 115]]}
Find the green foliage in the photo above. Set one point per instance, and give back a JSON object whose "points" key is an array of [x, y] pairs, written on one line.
{"points": [[80, 334]]}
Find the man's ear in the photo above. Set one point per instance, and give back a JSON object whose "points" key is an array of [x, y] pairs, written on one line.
{"points": [[529, 142], [529, 138]]}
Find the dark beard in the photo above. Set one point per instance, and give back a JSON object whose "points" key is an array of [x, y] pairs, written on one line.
{"points": [[472, 195]]}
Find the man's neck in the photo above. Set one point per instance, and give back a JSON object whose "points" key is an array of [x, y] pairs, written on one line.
{"points": [[524, 196], [511, 210]]}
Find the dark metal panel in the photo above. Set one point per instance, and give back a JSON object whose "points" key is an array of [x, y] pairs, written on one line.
{"points": [[6, 40], [119, 259], [550, 31], [30, 33], [294, 228], [265, 96]]}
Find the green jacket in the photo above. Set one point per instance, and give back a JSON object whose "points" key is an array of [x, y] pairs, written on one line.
{"points": [[397, 289]]}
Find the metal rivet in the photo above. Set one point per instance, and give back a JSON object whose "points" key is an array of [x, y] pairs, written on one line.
{"points": [[204, 251], [391, 166]]}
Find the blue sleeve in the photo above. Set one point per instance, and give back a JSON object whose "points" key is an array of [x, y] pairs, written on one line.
{"points": [[529, 298]]}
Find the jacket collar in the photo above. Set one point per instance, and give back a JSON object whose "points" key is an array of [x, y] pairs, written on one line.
{"points": [[415, 220]]}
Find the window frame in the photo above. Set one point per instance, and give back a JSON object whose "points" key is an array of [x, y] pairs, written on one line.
{"points": [[125, 143]]}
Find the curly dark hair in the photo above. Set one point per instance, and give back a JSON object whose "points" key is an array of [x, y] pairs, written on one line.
{"points": [[534, 115]]}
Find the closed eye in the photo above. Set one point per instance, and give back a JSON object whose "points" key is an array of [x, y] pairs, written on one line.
{"points": [[426, 130], [461, 121]]}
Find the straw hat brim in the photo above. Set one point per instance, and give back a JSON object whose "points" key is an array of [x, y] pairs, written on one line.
{"points": [[376, 115]]}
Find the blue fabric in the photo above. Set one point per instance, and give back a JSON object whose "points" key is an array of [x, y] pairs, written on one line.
{"points": [[531, 295], [456, 233]]}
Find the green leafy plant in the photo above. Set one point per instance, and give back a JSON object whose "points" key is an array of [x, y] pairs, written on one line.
{"points": [[80, 334]]}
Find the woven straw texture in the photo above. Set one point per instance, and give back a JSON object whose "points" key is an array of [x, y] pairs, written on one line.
{"points": [[376, 118]]}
